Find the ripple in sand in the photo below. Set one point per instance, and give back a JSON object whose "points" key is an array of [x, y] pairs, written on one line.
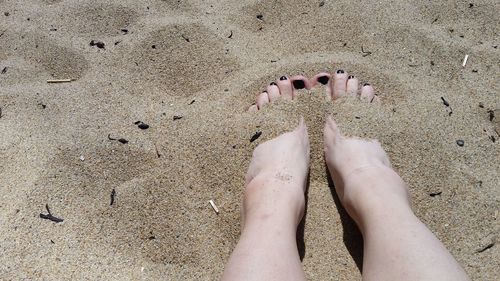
{"points": [[299, 27], [95, 20], [184, 59], [58, 61], [151, 216]]}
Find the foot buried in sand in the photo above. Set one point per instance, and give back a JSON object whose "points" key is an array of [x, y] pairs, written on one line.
{"points": [[397, 245], [337, 85]]}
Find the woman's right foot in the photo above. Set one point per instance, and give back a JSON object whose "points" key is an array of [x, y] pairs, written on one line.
{"points": [[364, 179]]}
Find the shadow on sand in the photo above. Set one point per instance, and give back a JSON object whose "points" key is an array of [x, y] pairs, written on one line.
{"points": [[352, 237]]}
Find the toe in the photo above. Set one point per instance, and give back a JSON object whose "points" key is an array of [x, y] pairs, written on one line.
{"points": [[253, 108], [273, 92], [323, 78], [320, 79], [302, 126], [331, 132], [285, 86], [339, 84], [367, 93], [352, 86], [300, 82], [262, 100]]}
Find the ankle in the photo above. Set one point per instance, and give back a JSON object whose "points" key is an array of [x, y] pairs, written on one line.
{"points": [[380, 213], [270, 200], [375, 190]]}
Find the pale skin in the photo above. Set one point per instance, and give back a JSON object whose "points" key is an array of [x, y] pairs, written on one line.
{"points": [[397, 245]]}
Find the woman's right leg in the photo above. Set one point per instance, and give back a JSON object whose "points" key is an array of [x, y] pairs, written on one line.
{"points": [[397, 245]]}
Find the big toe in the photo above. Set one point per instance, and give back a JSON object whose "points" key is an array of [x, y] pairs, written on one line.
{"points": [[339, 84], [286, 88], [331, 133]]}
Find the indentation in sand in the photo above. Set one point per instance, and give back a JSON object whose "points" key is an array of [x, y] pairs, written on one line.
{"points": [[57, 61], [143, 219], [276, 23], [181, 58], [96, 20]]}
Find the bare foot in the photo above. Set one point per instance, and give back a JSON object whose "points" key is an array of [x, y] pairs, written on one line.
{"points": [[276, 178], [362, 173], [273, 206]]}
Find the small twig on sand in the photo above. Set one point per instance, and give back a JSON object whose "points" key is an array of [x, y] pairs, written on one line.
{"points": [[60, 80], [465, 60], [214, 206], [113, 194], [49, 216], [157, 153], [256, 136], [365, 53]]}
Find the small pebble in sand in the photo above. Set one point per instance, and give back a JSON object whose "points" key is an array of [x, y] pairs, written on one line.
{"points": [[260, 17], [6, 14], [82, 158], [142, 125], [177, 117], [460, 142]]}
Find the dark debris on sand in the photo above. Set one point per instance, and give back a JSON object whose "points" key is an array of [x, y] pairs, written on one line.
{"points": [[141, 125], [98, 44], [49, 215], [121, 140], [112, 197], [255, 136]]}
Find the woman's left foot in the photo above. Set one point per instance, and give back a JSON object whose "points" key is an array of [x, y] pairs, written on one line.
{"points": [[276, 178]]}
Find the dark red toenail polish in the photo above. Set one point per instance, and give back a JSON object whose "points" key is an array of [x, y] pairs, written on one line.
{"points": [[366, 84], [283, 78], [323, 79], [299, 84], [350, 77], [272, 84], [340, 71]]}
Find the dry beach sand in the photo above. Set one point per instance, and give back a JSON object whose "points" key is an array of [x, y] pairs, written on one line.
{"points": [[205, 61]]}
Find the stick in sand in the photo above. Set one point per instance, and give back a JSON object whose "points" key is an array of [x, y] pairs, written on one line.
{"points": [[214, 206], [60, 80], [465, 60]]}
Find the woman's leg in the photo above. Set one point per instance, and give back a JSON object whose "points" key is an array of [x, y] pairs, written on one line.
{"points": [[397, 245], [273, 206]]}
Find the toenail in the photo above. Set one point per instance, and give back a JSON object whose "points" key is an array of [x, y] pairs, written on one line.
{"points": [[299, 84], [366, 84], [323, 79], [272, 84], [350, 77], [264, 91], [340, 71], [283, 78]]}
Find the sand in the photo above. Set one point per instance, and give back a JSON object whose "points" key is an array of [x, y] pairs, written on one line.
{"points": [[206, 61]]}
